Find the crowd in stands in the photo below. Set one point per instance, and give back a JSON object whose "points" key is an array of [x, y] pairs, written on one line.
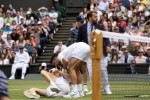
{"points": [[26, 28], [122, 17]]}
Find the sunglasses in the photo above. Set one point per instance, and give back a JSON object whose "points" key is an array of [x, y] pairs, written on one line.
{"points": [[140, 52]]}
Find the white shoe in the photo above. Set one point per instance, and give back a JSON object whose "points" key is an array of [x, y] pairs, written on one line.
{"points": [[32, 95], [85, 89], [72, 95], [54, 88], [108, 92], [22, 77], [11, 78], [81, 93], [89, 93]]}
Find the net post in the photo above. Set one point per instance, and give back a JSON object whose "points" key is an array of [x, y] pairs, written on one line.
{"points": [[96, 53]]}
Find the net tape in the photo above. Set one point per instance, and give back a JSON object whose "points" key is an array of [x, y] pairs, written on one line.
{"points": [[125, 37]]}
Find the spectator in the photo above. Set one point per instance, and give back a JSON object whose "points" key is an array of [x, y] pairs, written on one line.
{"points": [[14, 35], [22, 13], [21, 41], [54, 17], [32, 14], [29, 48], [140, 58], [22, 23], [136, 51], [125, 3], [13, 57], [25, 35], [43, 35], [56, 4], [126, 57], [3, 59], [49, 25], [2, 14], [8, 19], [60, 47], [21, 61], [121, 29], [8, 53], [132, 68], [19, 30], [136, 32], [12, 13], [84, 13], [14, 47], [128, 31], [43, 67], [9, 41], [114, 58], [4, 95], [74, 31], [6, 31], [14, 25], [37, 32], [2, 22], [18, 18], [103, 6], [4, 47], [91, 5], [29, 19], [120, 20], [42, 11], [115, 4], [10, 7]]}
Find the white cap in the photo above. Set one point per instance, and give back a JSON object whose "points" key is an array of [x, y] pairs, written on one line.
{"points": [[8, 24], [25, 50], [43, 64], [138, 1], [141, 50], [124, 47], [147, 13], [28, 12], [148, 48], [39, 22], [43, 8], [51, 69], [25, 29]]}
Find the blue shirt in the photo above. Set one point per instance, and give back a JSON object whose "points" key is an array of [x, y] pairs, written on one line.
{"points": [[90, 27], [74, 34]]}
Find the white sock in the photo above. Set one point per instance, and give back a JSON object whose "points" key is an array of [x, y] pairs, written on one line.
{"points": [[23, 75], [75, 88], [85, 85], [79, 87], [52, 83]]}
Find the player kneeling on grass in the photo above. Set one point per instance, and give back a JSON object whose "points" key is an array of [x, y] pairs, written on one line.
{"points": [[74, 57], [59, 85]]}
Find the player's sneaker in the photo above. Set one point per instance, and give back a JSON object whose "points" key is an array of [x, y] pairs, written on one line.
{"points": [[22, 77], [11, 78], [81, 93], [85, 89], [54, 88], [31, 95], [72, 95], [89, 93], [108, 92]]}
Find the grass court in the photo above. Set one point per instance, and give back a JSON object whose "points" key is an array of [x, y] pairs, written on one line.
{"points": [[118, 88]]}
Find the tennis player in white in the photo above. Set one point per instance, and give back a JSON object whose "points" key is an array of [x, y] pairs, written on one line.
{"points": [[59, 85], [73, 58]]}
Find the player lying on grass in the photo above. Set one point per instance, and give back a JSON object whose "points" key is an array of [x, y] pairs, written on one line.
{"points": [[74, 57], [59, 85]]}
